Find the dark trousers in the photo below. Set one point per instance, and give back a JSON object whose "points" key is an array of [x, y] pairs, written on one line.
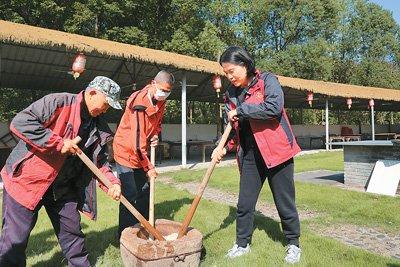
{"points": [[136, 190], [19, 221], [280, 179]]}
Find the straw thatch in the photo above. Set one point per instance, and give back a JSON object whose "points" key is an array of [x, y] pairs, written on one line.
{"points": [[341, 90], [35, 36]]}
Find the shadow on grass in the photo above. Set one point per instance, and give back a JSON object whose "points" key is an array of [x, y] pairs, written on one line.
{"points": [[57, 260], [39, 243], [167, 209], [268, 225], [203, 253], [96, 244], [229, 219]]}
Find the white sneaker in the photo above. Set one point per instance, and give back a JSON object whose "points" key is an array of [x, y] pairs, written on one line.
{"points": [[237, 251], [292, 254]]}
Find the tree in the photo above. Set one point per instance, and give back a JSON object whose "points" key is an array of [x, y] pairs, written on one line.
{"points": [[309, 61], [13, 101], [180, 43], [367, 47], [94, 17], [347, 41], [208, 44], [43, 13]]}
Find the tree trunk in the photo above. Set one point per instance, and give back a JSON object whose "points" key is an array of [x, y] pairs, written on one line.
{"points": [[96, 26]]}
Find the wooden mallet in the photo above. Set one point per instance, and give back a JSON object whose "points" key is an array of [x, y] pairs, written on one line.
{"points": [[202, 187], [103, 179], [152, 184]]}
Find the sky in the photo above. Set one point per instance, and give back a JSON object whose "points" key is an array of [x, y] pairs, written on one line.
{"points": [[392, 5]]}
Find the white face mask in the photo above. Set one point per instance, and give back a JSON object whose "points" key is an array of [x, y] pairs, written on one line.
{"points": [[161, 95]]}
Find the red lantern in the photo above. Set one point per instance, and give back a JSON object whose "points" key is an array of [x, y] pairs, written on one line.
{"points": [[217, 83], [310, 98], [349, 102], [371, 103], [78, 66]]}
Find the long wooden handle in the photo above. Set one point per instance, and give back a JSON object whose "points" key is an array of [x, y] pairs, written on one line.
{"points": [[152, 184], [103, 179], [202, 187]]}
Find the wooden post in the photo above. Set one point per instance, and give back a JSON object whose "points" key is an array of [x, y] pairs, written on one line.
{"points": [[152, 184]]}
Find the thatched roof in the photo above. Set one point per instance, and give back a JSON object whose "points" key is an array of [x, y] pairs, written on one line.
{"points": [[35, 52], [26, 34], [341, 90]]}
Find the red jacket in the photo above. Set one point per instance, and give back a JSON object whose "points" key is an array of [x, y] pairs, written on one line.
{"points": [[140, 122], [263, 106], [35, 162]]}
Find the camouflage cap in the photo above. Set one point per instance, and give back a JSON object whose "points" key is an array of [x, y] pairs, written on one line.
{"points": [[109, 88]]}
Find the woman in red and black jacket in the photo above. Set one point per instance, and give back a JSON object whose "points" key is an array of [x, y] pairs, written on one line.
{"points": [[254, 104]]}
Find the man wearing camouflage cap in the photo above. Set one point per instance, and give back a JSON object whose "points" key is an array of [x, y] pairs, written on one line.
{"points": [[43, 170]]}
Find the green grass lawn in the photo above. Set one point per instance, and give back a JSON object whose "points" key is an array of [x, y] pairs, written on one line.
{"points": [[216, 222], [320, 161], [337, 205]]}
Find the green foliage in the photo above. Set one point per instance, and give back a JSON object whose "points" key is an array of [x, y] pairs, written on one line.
{"points": [[128, 35], [180, 43], [43, 13], [309, 61], [347, 41], [13, 101], [172, 112], [208, 44], [197, 112], [367, 47], [94, 17], [280, 24]]}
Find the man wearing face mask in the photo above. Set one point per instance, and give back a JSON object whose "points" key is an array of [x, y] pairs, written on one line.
{"points": [[139, 127]]}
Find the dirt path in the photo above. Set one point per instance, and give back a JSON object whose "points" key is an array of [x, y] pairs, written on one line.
{"points": [[369, 239]]}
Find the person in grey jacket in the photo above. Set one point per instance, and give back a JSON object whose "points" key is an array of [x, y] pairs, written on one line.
{"points": [[43, 170]]}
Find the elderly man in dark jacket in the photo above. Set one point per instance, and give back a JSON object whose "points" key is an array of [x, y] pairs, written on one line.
{"points": [[43, 169]]}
